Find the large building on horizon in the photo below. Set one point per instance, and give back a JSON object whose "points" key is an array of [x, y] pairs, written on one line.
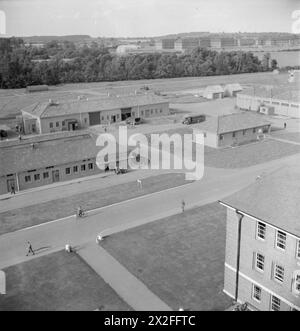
{"points": [[262, 262]]}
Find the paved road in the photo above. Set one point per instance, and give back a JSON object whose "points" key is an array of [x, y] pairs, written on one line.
{"points": [[215, 185]]}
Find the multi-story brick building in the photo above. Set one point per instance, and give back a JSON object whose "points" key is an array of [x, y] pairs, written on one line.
{"points": [[48, 117], [262, 263]]}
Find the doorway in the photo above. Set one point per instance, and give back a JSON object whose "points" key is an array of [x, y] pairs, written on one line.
{"points": [[11, 183], [55, 176]]}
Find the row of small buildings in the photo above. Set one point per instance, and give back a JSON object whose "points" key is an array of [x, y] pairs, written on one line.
{"points": [[270, 102]]}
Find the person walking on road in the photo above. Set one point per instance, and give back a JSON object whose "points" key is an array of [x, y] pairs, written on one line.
{"points": [[182, 205], [29, 249]]}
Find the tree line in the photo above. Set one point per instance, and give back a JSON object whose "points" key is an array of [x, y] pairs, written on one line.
{"points": [[58, 63]]}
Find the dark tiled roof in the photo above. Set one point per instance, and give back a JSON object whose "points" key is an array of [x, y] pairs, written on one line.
{"points": [[51, 109], [232, 122], [46, 152], [273, 199]]}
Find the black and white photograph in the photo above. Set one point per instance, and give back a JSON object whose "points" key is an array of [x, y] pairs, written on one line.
{"points": [[149, 158]]}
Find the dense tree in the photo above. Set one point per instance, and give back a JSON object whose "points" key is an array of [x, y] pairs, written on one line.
{"points": [[63, 62]]}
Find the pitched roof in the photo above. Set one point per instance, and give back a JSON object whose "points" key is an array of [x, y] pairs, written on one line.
{"points": [[28, 155], [214, 89], [273, 199], [51, 109], [274, 93], [232, 123], [233, 87]]}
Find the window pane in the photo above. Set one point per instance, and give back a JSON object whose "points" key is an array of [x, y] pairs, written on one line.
{"points": [[279, 273], [275, 305], [260, 262], [261, 230], [281, 240]]}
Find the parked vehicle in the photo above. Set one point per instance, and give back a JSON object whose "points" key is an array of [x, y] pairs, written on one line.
{"points": [[192, 119], [3, 134], [134, 121]]}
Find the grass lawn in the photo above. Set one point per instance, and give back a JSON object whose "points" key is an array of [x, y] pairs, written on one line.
{"points": [[180, 258], [59, 281], [55, 209], [292, 136], [249, 154]]}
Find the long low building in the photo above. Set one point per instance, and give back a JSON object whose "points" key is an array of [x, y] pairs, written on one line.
{"points": [[232, 129], [284, 103], [47, 159], [50, 116]]}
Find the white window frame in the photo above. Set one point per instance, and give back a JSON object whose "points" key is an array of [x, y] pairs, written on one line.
{"points": [[298, 249], [274, 303], [275, 273], [254, 287], [277, 240], [70, 171], [258, 261], [37, 176], [257, 232], [27, 179]]}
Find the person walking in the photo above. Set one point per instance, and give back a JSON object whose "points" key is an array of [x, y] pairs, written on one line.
{"points": [[182, 205], [29, 249], [13, 190]]}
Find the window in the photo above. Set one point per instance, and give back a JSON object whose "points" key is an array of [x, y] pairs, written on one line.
{"points": [[298, 250], [57, 124], [160, 110], [278, 273], [259, 262], [280, 240], [261, 231], [142, 113], [83, 167], [256, 293], [27, 179], [254, 130], [51, 125], [46, 175], [102, 118], [68, 171], [233, 135], [37, 177], [244, 132], [91, 166], [63, 123], [221, 137], [75, 169], [275, 303]]}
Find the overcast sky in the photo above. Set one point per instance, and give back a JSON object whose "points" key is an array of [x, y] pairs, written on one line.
{"points": [[131, 18]]}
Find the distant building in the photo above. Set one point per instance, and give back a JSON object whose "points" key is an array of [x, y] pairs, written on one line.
{"points": [[47, 117], [232, 129], [37, 88], [262, 262], [125, 49], [47, 159], [214, 92], [186, 44], [286, 103], [165, 44], [231, 90], [205, 42], [267, 110]]}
